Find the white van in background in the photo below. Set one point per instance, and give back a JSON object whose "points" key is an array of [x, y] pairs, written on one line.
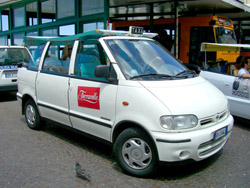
{"points": [[10, 58], [225, 77]]}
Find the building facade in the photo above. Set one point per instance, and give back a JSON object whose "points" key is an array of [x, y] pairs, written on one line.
{"points": [[21, 18], [50, 18]]}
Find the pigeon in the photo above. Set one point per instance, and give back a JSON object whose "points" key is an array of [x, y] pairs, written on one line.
{"points": [[81, 173]]}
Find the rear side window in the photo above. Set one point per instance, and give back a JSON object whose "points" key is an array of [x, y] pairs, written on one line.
{"points": [[56, 62], [87, 58], [36, 52]]}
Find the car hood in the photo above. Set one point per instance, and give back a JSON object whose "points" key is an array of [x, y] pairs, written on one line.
{"points": [[189, 96]]}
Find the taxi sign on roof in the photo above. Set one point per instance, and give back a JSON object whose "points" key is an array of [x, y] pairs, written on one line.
{"points": [[135, 30]]}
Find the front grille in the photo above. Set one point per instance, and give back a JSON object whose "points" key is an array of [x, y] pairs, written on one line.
{"points": [[214, 119], [212, 145]]}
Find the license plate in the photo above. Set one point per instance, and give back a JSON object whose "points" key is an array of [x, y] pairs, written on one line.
{"points": [[10, 75], [220, 133]]}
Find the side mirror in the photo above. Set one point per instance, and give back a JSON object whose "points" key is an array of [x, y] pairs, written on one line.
{"points": [[22, 64], [104, 71], [193, 67], [19, 65]]}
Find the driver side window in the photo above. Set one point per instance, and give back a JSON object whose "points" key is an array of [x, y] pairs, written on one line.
{"points": [[87, 58]]}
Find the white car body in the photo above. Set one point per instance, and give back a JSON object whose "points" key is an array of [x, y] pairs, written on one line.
{"points": [[10, 57], [132, 102], [236, 89]]}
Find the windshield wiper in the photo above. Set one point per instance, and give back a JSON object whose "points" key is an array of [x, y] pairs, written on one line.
{"points": [[185, 73], [153, 74]]}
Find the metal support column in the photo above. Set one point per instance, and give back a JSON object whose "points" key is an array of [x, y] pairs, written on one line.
{"points": [[151, 26], [176, 37], [39, 16], [240, 31], [106, 14]]}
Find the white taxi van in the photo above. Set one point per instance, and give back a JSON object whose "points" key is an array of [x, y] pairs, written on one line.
{"points": [[10, 58], [128, 91]]}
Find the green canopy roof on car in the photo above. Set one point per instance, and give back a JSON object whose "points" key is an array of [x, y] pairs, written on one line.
{"points": [[96, 34]]}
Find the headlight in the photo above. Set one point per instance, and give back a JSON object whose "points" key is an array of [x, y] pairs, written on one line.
{"points": [[178, 122]]}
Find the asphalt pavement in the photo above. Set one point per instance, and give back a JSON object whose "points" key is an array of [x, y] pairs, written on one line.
{"points": [[47, 158]]}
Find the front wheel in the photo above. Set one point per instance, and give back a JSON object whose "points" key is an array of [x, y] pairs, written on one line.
{"points": [[32, 116], [135, 152]]}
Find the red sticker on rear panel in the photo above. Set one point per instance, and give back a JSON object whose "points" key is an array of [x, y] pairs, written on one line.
{"points": [[88, 97]]}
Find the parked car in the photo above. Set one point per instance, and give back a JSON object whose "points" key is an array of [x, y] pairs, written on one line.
{"points": [[128, 91], [235, 88], [10, 58]]}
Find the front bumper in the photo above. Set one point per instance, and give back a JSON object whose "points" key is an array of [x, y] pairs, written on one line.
{"points": [[196, 145]]}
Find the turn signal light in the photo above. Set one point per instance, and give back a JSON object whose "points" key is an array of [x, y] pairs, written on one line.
{"points": [[125, 103]]}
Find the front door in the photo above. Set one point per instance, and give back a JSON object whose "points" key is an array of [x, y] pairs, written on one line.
{"points": [[92, 100]]}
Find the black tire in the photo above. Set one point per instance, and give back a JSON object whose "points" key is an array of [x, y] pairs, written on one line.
{"points": [[31, 115], [135, 152]]}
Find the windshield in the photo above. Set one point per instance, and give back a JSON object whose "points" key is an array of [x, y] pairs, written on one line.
{"points": [[12, 56], [146, 60], [226, 36]]}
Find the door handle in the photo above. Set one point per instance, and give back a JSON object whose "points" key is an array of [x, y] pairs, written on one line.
{"points": [[70, 86], [226, 84]]}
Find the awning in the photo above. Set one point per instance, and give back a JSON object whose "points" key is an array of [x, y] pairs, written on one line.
{"points": [[213, 47]]}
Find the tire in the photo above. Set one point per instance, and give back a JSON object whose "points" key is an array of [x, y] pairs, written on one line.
{"points": [[135, 152], [32, 116]]}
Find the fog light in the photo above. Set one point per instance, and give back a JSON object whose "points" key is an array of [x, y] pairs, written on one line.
{"points": [[184, 155]]}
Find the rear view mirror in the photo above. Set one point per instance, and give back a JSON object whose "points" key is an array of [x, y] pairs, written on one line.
{"points": [[220, 31]]}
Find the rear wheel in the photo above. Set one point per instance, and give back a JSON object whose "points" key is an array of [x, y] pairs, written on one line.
{"points": [[135, 152], [32, 116]]}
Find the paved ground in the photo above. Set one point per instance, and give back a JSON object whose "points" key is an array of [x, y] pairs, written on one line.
{"points": [[46, 159]]}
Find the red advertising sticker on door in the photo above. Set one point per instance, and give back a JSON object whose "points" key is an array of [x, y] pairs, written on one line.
{"points": [[88, 97]]}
